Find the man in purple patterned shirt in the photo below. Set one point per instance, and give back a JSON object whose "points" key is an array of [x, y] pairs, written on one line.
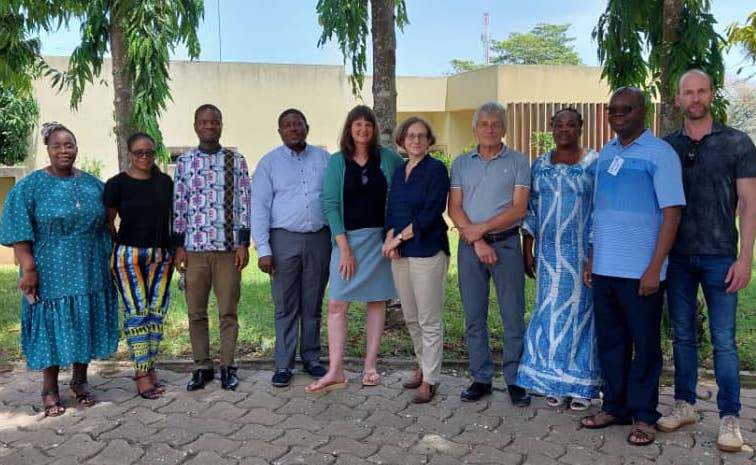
{"points": [[212, 227]]}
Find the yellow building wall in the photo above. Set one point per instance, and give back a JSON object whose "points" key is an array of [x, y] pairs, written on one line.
{"points": [[542, 83], [251, 96]]}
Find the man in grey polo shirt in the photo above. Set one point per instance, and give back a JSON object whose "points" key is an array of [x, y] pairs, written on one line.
{"points": [[489, 194]]}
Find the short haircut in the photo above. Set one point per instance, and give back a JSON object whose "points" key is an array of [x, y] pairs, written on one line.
{"points": [[568, 110], [346, 142], [400, 134], [207, 106], [291, 111], [635, 92], [698, 71], [135, 137], [48, 129], [491, 108]]}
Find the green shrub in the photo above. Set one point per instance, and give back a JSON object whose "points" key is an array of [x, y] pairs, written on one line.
{"points": [[18, 116]]}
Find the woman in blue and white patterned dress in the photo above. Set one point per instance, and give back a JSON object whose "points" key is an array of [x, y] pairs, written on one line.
{"points": [[559, 357]]}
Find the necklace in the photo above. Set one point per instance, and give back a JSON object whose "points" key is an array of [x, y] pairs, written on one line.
{"points": [[77, 193]]}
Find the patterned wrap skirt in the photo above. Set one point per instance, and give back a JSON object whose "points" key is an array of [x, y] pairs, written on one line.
{"points": [[143, 276]]}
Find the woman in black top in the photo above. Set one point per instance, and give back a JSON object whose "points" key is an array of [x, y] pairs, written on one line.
{"points": [[142, 259]]}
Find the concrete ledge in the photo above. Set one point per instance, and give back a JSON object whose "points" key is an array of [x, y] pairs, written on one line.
{"points": [[747, 378]]}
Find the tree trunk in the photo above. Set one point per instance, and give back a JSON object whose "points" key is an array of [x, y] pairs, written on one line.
{"points": [[123, 102], [384, 67], [670, 115]]}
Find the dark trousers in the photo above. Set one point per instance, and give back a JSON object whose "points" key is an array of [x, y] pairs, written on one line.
{"points": [[629, 347], [474, 287], [301, 273]]}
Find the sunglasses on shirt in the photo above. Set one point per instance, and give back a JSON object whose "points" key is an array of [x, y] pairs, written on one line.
{"points": [[690, 158]]}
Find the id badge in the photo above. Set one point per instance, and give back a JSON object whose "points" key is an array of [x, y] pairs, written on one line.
{"points": [[616, 165]]}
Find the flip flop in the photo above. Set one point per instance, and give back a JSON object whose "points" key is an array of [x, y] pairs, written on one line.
{"points": [[601, 420], [323, 388], [371, 378], [643, 431]]}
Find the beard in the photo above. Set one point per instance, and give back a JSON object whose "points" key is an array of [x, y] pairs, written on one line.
{"points": [[698, 112]]}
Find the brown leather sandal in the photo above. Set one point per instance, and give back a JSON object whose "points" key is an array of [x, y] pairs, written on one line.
{"points": [[159, 385], [82, 394], [53, 410], [150, 393]]}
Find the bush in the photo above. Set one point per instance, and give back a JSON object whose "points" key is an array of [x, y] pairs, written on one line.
{"points": [[92, 166], [542, 142], [18, 116]]}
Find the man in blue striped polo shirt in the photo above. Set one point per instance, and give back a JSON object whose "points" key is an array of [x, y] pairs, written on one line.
{"points": [[637, 209]]}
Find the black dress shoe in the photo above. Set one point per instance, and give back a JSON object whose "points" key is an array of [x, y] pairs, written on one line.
{"points": [[476, 391], [200, 378], [282, 377], [229, 381], [518, 395], [316, 370]]}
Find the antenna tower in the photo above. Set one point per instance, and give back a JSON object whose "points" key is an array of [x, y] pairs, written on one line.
{"points": [[485, 39]]}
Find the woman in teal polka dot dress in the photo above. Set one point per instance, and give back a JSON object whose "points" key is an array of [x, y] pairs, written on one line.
{"points": [[54, 219]]}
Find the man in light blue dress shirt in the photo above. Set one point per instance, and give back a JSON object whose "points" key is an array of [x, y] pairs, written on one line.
{"points": [[293, 242], [638, 196]]}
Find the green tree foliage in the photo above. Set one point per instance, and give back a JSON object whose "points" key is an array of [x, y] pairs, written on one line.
{"points": [[18, 115], [148, 31], [744, 36], [545, 44], [639, 46], [347, 22], [461, 66], [139, 35], [20, 21]]}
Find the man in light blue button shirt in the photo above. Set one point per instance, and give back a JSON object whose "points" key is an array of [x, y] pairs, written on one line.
{"points": [[293, 243], [638, 196]]}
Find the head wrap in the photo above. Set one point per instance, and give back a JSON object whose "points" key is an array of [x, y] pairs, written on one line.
{"points": [[52, 126]]}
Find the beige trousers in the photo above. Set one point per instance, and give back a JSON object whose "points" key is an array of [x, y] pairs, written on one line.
{"points": [[420, 284], [203, 271]]}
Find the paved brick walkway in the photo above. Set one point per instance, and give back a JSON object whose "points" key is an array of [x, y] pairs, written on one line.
{"points": [[260, 424]]}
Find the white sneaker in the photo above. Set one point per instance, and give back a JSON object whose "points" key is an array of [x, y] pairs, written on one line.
{"points": [[683, 414], [730, 439]]}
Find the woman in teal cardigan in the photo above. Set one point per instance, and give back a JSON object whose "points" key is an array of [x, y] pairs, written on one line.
{"points": [[354, 200]]}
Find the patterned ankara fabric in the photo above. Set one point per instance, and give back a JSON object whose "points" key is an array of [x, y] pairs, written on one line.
{"points": [[199, 201], [143, 276], [559, 355], [76, 316]]}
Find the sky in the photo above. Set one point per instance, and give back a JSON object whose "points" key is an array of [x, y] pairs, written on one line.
{"points": [[259, 31]]}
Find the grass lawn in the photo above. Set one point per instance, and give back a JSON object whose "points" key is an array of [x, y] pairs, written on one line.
{"points": [[257, 335]]}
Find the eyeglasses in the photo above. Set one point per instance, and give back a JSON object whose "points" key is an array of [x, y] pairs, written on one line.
{"points": [[690, 158], [418, 137], [620, 110], [143, 154]]}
